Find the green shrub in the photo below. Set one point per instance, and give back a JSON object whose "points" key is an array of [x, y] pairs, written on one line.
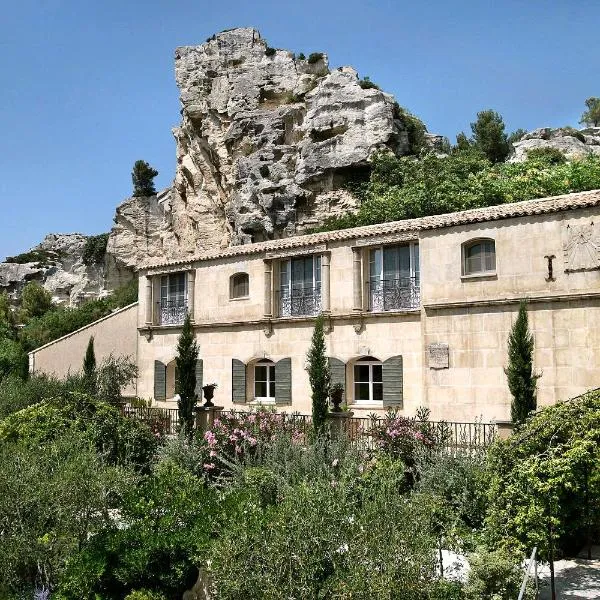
{"points": [[16, 393], [95, 249], [415, 129], [44, 258], [145, 595], [549, 155], [367, 84], [301, 56], [315, 57], [270, 51], [13, 360]]}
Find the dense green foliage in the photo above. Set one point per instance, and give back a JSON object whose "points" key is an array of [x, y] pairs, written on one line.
{"points": [[489, 136], [89, 366], [95, 249], [43, 258], [519, 372], [404, 188], [185, 385], [319, 377], [314, 57], [35, 300], [592, 115], [366, 84], [13, 359], [545, 485], [142, 177]]}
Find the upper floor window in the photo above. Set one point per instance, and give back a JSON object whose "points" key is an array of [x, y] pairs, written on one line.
{"points": [[239, 286], [394, 277], [300, 286], [479, 257], [173, 299]]}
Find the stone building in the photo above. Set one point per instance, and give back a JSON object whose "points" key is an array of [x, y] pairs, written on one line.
{"points": [[417, 312]]}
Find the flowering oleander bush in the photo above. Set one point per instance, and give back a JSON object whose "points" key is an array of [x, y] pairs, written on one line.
{"points": [[401, 437], [238, 436]]}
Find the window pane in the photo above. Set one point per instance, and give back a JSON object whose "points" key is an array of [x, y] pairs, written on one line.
{"points": [[378, 391], [284, 276], [377, 373], [361, 391], [317, 271], [361, 373], [375, 264], [416, 264], [390, 263], [272, 389], [260, 373], [260, 389], [272, 373]]}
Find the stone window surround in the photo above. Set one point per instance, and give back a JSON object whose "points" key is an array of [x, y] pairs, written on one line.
{"points": [[232, 283], [153, 282], [465, 275]]}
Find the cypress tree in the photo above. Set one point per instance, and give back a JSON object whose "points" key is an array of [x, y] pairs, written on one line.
{"points": [[319, 376], [520, 375], [187, 355], [89, 367]]}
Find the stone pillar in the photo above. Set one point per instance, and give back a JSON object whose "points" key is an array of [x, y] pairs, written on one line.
{"points": [[268, 307], [191, 290], [149, 307], [357, 303], [325, 283]]}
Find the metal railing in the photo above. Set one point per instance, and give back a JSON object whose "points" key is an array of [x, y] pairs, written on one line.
{"points": [[162, 421], [171, 312], [448, 436], [394, 294], [300, 300], [532, 562]]}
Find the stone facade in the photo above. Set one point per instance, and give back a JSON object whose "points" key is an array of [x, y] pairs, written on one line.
{"points": [[436, 336]]}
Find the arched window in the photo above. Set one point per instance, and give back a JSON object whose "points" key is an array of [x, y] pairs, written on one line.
{"points": [[239, 286], [368, 380], [264, 380], [479, 257]]}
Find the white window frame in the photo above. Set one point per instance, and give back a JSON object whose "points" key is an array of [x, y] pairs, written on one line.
{"points": [[286, 283], [484, 272], [371, 401], [414, 269], [270, 365]]}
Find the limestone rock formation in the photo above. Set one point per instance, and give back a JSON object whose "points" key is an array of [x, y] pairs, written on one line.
{"points": [[265, 143], [571, 142], [60, 269]]}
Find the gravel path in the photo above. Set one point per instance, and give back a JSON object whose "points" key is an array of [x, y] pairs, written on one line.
{"points": [[575, 578]]}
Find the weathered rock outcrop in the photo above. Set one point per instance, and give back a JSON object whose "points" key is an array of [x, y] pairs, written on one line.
{"points": [[61, 270], [571, 142], [265, 144]]}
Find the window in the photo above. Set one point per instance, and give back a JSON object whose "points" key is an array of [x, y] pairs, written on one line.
{"points": [[264, 381], [394, 278], [239, 286], [368, 380], [300, 286], [173, 299], [479, 257]]}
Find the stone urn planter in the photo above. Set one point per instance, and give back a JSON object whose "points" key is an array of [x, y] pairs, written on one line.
{"points": [[337, 394], [205, 417], [209, 391], [339, 423]]}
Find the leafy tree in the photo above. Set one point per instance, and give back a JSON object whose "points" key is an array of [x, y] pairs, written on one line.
{"points": [[489, 135], [112, 376], [13, 359], [592, 115], [143, 179], [35, 300], [463, 143], [319, 377], [187, 355], [95, 249], [516, 135], [89, 366], [520, 375]]}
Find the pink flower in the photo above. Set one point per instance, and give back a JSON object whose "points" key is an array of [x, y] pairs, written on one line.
{"points": [[209, 466], [213, 453]]}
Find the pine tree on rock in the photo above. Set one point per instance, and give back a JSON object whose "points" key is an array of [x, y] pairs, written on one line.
{"points": [[89, 367], [520, 375], [143, 179], [489, 135], [187, 355], [319, 377]]}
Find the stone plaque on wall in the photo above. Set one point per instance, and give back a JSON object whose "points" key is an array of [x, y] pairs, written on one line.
{"points": [[438, 356]]}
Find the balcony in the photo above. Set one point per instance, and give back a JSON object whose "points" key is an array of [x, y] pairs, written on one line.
{"points": [[403, 293], [301, 301], [172, 312]]}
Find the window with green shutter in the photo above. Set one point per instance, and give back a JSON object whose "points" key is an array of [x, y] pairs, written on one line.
{"points": [[393, 382], [160, 380], [238, 381], [283, 381]]}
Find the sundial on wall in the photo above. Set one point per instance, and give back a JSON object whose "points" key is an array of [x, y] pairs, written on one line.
{"points": [[581, 248]]}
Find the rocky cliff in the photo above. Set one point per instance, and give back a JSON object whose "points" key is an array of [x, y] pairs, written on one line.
{"points": [[265, 144], [573, 143]]}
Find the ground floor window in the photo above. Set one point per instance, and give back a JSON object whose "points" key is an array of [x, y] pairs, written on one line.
{"points": [[368, 380], [264, 381]]}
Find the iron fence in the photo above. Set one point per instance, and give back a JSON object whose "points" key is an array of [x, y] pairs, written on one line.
{"points": [[395, 294], [171, 312], [448, 436], [301, 300]]}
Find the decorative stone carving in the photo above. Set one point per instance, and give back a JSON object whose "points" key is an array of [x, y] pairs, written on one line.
{"points": [[268, 329], [438, 356], [359, 324], [581, 248]]}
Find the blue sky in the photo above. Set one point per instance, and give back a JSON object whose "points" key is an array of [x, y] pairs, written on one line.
{"points": [[88, 87]]}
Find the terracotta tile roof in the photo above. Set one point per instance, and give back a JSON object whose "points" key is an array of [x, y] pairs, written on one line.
{"points": [[539, 206]]}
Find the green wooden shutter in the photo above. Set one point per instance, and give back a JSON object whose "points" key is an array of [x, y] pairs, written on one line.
{"points": [[199, 375], [283, 381], [392, 382], [238, 381], [337, 368], [160, 380]]}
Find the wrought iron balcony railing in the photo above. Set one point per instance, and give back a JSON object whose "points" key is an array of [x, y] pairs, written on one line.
{"points": [[304, 300], [403, 293], [172, 312]]}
